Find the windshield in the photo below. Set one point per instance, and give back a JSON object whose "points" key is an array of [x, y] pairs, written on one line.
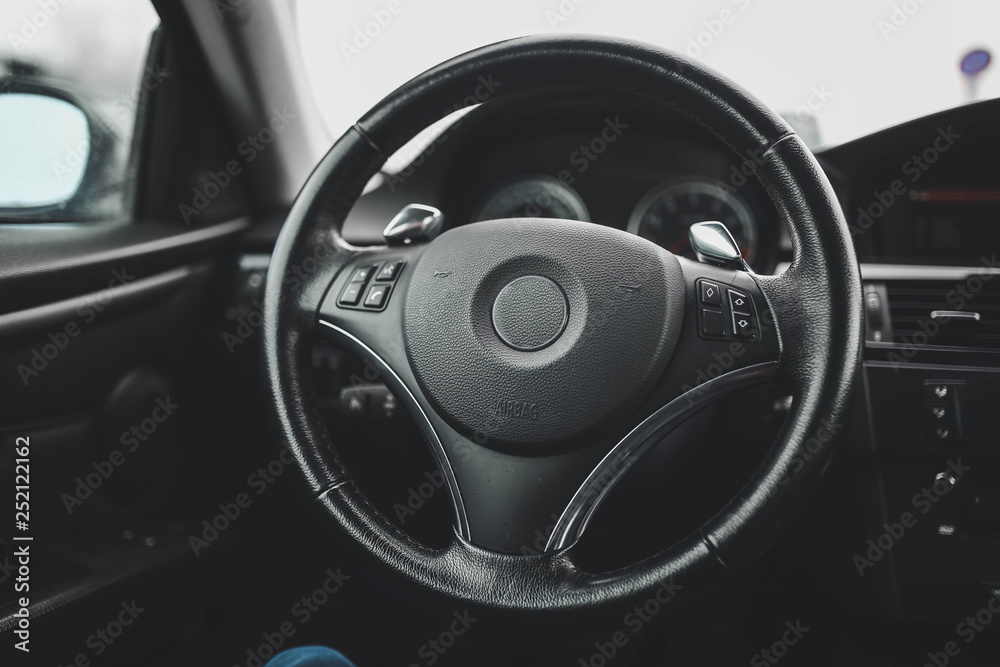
{"points": [[835, 70]]}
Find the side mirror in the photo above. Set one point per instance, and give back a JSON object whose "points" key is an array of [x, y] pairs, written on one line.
{"points": [[44, 150]]}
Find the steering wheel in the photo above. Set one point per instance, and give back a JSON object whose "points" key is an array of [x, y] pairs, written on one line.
{"points": [[541, 358]]}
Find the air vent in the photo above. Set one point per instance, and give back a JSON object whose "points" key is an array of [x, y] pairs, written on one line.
{"points": [[943, 313]]}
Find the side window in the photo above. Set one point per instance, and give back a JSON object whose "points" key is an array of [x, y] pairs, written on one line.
{"points": [[72, 73]]}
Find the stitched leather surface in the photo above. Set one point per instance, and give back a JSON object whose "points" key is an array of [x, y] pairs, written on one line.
{"points": [[817, 305]]}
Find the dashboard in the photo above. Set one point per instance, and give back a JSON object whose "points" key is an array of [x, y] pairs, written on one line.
{"points": [[927, 192], [595, 162], [683, 183]]}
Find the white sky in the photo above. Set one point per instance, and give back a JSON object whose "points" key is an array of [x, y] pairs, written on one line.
{"points": [[777, 49]]}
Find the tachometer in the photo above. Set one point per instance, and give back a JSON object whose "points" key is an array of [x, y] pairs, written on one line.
{"points": [[533, 197], [665, 213]]}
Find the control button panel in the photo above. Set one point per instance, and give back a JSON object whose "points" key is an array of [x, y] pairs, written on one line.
{"points": [[351, 294], [710, 293], [942, 423], [941, 390], [744, 326], [368, 401], [370, 285], [713, 323], [739, 301], [726, 312], [389, 270], [377, 295], [362, 274]]}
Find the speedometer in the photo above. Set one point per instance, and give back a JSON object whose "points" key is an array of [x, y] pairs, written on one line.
{"points": [[665, 213], [533, 197]]}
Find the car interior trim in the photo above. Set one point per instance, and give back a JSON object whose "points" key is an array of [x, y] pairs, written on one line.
{"points": [[114, 299]]}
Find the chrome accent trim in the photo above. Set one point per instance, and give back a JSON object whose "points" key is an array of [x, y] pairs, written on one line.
{"points": [[930, 348], [414, 222], [881, 272], [407, 398], [934, 368], [255, 261], [922, 272], [954, 315], [574, 519], [714, 244]]}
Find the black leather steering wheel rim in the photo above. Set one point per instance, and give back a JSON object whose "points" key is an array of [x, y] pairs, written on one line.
{"points": [[816, 303]]}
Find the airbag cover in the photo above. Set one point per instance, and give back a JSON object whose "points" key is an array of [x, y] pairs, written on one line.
{"points": [[624, 307]]}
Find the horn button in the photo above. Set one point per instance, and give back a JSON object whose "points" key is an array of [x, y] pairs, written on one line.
{"points": [[530, 313], [533, 331]]}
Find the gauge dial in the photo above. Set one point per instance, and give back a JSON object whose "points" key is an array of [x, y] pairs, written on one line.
{"points": [[664, 215], [533, 197]]}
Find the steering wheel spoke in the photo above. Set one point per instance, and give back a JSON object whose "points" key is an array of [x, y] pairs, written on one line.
{"points": [[728, 342], [364, 302], [503, 499], [729, 326], [362, 311]]}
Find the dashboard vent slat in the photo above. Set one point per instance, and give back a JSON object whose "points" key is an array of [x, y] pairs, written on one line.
{"points": [[911, 303]]}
